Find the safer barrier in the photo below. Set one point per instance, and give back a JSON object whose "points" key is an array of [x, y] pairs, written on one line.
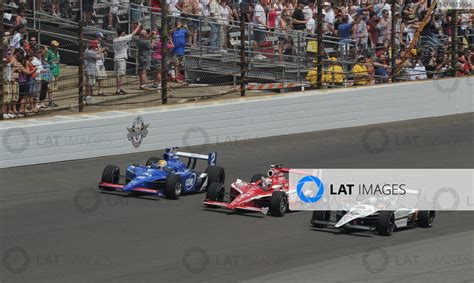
{"points": [[61, 138]]}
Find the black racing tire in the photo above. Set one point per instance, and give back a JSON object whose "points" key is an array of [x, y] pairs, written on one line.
{"points": [[111, 174], [278, 203], [386, 223], [215, 192], [215, 174], [152, 160], [426, 218], [320, 215], [173, 186], [256, 177]]}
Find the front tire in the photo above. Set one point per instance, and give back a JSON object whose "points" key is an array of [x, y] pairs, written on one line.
{"points": [[426, 218], [215, 192], [278, 203], [386, 223], [320, 215], [173, 186], [111, 174]]}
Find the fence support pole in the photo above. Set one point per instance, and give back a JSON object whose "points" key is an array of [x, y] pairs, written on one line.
{"points": [[243, 60], [454, 43], [392, 39], [164, 51], [81, 65], [319, 21], [1, 65]]}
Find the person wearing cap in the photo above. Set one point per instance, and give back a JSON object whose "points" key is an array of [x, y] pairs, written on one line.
{"points": [[90, 63], [361, 74], [53, 58], [334, 74]]}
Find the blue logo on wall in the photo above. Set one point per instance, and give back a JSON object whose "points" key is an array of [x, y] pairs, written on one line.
{"points": [[317, 182]]}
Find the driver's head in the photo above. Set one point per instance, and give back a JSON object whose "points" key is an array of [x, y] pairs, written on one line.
{"points": [[267, 183], [161, 164]]}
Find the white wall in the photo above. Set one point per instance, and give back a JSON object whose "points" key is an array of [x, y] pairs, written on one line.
{"points": [[62, 138]]}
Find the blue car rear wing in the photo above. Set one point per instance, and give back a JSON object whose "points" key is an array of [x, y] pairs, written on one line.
{"points": [[193, 157]]}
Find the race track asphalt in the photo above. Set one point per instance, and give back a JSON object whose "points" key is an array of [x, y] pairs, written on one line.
{"points": [[55, 226]]}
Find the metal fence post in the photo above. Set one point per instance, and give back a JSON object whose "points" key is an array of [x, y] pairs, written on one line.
{"points": [[243, 60], [164, 51], [1, 65], [454, 43], [392, 39], [81, 66], [320, 45], [200, 43]]}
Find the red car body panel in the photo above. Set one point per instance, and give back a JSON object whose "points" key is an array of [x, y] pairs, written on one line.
{"points": [[247, 195]]}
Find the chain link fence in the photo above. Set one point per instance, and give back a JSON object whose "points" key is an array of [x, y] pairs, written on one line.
{"points": [[216, 59]]}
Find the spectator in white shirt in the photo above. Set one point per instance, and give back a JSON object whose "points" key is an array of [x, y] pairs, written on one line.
{"points": [[419, 72], [224, 21], [15, 42], [120, 45], [215, 15]]}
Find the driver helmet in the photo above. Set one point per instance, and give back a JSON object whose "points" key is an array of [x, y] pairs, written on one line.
{"points": [[267, 183], [161, 164]]}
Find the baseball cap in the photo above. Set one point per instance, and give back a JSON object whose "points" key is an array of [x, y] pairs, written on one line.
{"points": [[54, 43], [94, 43], [99, 35]]}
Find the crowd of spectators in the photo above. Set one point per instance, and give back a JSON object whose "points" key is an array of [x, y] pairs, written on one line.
{"points": [[359, 32], [31, 72]]}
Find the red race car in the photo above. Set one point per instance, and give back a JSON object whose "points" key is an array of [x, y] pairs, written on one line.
{"points": [[266, 194]]}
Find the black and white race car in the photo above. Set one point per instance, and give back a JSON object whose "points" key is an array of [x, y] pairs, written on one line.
{"points": [[371, 215]]}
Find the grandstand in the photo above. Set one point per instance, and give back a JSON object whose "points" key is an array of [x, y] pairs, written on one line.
{"points": [[356, 39]]}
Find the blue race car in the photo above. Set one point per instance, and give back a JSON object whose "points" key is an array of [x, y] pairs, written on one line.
{"points": [[168, 177]]}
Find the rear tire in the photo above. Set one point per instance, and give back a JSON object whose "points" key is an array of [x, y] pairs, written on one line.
{"points": [[278, 203], [386, 223], [173, 187], [426, 218], [111, 174], [152, 160], [320, 215], [215, 192], [215, 174], [257, 177]]}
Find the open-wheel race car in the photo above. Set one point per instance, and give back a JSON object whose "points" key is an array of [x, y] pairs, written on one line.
{"points": [[267, 194], [375, 214], [168, 177]]}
